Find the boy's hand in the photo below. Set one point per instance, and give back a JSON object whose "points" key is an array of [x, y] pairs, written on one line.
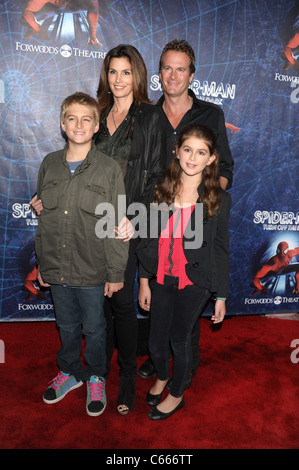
{"points": [[40, 279], [111, 287], [36, 204]]}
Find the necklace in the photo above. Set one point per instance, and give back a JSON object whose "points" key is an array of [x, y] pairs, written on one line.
{"points": [[112, 114], [113, 118]]}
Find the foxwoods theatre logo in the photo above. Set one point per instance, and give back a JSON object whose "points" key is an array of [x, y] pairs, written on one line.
{"points": [[293, 82], [278, 300], [64, 50], [146, 223]]}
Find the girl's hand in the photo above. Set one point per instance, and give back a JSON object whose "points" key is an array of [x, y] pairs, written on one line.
{"points": [[125, 230], [144, 295], [220, 310]]}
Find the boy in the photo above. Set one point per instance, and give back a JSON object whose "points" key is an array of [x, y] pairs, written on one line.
{"points": [[80, 267]]}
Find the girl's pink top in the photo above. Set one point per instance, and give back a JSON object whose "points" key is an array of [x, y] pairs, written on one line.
{"points": [[178, 257]]}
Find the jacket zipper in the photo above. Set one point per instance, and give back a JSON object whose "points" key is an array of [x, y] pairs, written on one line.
{"points": [[144, 180]]}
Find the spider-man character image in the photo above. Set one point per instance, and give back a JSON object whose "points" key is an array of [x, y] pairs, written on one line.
{"points": [[278, 265], [291, 49], [36, 11]]}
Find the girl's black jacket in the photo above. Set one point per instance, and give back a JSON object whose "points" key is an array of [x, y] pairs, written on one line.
{"points": [[207, 265]]}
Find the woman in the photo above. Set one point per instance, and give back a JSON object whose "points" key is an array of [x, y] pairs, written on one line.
{"points": [[131, 131], [187, 271]]}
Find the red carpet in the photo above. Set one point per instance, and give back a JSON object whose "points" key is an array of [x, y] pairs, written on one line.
{"points": [[245, 394]]}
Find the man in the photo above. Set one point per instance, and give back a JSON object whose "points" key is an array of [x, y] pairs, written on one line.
{"points": [[181, 107]]}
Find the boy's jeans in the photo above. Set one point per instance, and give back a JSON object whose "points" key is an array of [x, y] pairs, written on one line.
{"points": [[79, 311]]}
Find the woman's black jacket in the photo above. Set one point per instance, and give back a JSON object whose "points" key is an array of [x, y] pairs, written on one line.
{"points": [[147, 158]]}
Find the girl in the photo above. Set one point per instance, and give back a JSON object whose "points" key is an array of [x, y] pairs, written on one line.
{"points": [[184, 275]]}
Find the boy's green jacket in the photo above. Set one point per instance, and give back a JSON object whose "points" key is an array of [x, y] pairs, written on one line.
{"points": [[68, 249]]}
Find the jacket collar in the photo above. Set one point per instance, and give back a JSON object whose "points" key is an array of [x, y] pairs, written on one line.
{"points": [[196, 101], [87, 161]]}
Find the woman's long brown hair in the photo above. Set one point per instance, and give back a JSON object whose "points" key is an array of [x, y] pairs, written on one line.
{"points": [[139, 72], [170, 186]]}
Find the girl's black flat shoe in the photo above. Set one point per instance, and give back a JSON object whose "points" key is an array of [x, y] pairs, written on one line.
{"points": [[156, 414], [154, 400]]}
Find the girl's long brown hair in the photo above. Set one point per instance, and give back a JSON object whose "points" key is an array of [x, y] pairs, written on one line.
{"points": [[139, 72], [170, 186]]}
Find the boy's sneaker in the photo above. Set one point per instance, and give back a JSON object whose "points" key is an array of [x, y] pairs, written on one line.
{"points": [[60, 386], [96, 396]]}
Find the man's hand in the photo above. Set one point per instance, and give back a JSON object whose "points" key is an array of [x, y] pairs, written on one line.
{"points": [[144, 294]]}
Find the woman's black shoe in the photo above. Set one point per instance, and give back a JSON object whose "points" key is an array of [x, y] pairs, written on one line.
{"points": [[156, 415], [126, 395]]}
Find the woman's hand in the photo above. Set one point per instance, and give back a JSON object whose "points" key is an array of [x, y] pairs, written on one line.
{"points": [[125, 230], [220, 310], [144, 294], [36, 204]]}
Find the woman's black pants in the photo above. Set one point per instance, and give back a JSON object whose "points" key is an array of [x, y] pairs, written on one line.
{"points": [[121, 318]]}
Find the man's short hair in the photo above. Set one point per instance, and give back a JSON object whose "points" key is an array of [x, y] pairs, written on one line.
{"points": [[179, 45]]}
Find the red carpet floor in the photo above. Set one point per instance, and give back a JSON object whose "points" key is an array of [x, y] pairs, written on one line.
{"points": [[244, 396]]}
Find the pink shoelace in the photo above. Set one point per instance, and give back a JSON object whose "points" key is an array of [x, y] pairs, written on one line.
{"points": [[59, 380], [96, 390]]}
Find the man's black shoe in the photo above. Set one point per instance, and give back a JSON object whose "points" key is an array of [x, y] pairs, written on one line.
{"points": [[147, 369]]}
